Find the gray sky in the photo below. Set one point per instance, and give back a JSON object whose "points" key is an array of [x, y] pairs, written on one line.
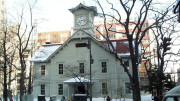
{"points": [[55, 13]]}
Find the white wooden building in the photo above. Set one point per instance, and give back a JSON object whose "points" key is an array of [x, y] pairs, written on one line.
{"points": [[64, 69]]}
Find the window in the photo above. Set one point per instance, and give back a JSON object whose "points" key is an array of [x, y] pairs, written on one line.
{"points": [[112, 35], [97, 36], [81, 45], [60, 68], [142, 74], [81, 67], [43, 89], [1, 73], [104, 89], [60, 89], [18, 75], [113, 28], [147, 33], [2, 21], [126, 63], [145, 41], [18, 81], [2, 12], [127, 87], [2, 2], [104, 67], [42, 69], [124, 35]]}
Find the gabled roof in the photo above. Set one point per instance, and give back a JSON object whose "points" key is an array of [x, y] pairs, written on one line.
{"points": [[80, 6], [73, 37], [45, 52]]}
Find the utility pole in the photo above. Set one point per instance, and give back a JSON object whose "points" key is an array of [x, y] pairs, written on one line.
{"points": [[91, 62]]}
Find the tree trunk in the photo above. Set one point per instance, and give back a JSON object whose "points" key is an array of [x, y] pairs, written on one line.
{"points": [[22, 87], [22, 78], [135, 86], [5, 95], [30, 79], [9, 85]]}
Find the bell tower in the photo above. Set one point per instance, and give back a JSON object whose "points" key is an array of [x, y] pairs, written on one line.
{"points": [[84, 17]]}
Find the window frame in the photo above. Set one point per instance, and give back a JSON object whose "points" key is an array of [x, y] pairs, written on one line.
{"points": [[3, 2], [142, 74], [43, 89], [60, 89], [61, 68], [129, 89], [126, 63], [43, 70], [104, 67], [81, 69], [104, 88]]}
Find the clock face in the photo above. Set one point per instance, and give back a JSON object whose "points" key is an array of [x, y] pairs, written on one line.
{"points": [[81, 20]]}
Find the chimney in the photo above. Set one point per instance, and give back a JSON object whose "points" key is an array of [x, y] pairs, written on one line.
{"points": [[48, 42]]}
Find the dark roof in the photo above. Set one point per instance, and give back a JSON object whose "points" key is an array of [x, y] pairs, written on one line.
{"points": [[80, 6], [121, 45]]}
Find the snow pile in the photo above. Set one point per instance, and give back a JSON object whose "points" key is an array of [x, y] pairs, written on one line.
{"points": [[143, 98], [102, 99], [77, 79], [146, 98]]}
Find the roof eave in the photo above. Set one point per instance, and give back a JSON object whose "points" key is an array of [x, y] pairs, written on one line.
{"points": [[39, 61]]}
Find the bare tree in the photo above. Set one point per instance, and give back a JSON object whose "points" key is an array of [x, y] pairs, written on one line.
{"points": [[165, 35], [81, 78], [8, 49], [25, 24], [121, 13]]}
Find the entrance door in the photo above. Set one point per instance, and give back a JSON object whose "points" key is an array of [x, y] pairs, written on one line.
{"points": [[81, 89]]}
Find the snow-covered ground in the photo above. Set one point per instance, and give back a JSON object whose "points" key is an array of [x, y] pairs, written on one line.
{"points": [[143, 98]]}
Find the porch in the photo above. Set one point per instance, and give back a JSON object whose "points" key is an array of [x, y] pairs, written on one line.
{"points": [[78, 87]]}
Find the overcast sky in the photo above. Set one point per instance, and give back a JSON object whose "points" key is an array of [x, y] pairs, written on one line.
{"points": [[55, 13]]}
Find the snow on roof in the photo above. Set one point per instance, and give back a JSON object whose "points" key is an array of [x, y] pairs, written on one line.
{"points": [[123, 54], [77, 80], [44, 52]]}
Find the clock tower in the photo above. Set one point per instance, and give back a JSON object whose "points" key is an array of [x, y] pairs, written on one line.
{"points": [[84, 18]]}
